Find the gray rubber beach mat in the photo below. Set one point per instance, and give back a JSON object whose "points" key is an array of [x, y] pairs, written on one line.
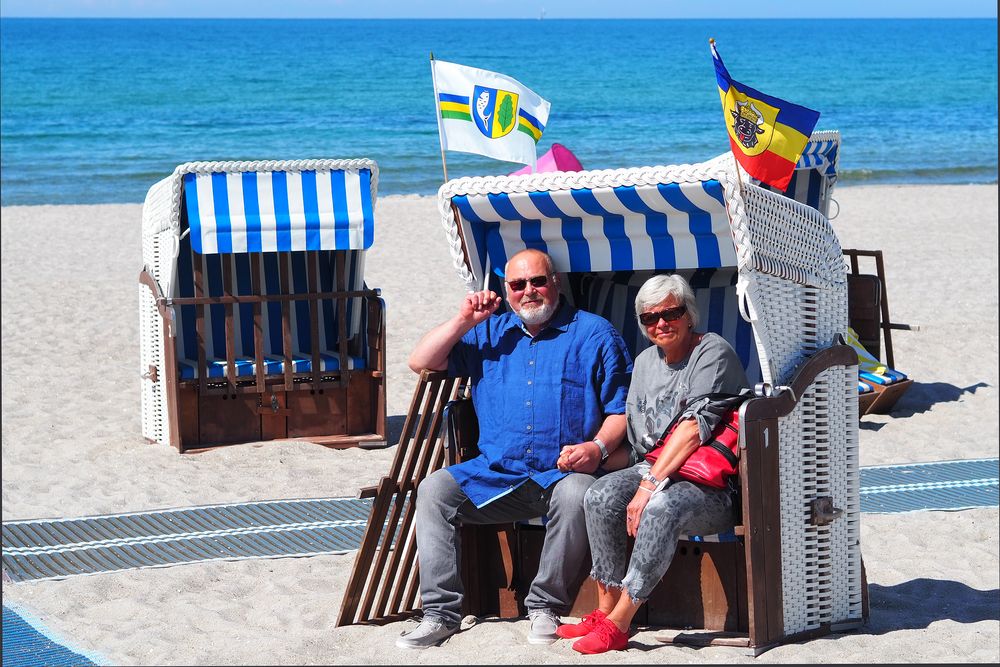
{"points": [[60, 548]]}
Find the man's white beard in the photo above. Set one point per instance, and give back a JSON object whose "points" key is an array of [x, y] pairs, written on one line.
{"points": [[537, 312]]}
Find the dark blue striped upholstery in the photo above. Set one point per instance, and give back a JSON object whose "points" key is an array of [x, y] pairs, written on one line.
{"points": [[270, 268]]}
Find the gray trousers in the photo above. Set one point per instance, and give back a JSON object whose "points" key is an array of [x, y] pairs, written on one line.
{"points": [[442, 507], [680, 508]]}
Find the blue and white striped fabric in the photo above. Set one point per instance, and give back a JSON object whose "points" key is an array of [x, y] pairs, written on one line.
{"points": [[243, 323], [888, 376], [821, 156], [667, 226], [268, 211], [612, 295]]}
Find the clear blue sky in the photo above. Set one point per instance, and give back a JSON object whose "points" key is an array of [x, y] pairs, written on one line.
{"points": [[499, 8]]}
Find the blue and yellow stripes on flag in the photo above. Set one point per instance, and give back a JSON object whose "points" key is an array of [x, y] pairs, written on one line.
{"points": [[529, 125], [455, 107]]}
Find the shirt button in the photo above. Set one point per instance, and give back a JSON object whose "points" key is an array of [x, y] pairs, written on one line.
{"points": [[527, 402], [528, 450], [529, 427], [529, 381], [531, 363]]}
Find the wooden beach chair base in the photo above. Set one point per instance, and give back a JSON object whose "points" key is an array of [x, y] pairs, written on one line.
{"points": [[705, 586], [332, 416], [702, 599]]}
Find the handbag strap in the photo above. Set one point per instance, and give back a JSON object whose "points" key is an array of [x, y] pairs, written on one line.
{"points": [[722, 403]]}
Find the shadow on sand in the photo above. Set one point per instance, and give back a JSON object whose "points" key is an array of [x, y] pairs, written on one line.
{"points": [[922, 396], [394, 429], [916, 604]]}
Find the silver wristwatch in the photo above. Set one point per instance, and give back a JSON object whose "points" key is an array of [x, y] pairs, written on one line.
{"points": [[648, 477], [604, 449]]}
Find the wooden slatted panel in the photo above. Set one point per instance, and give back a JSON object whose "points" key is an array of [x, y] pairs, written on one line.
{"points": [[383, 586]]}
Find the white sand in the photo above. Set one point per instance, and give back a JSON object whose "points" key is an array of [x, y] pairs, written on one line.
{"points": [[72, 447]]}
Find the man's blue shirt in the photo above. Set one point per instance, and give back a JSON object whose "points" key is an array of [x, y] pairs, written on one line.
{"points": [[535, 395]]}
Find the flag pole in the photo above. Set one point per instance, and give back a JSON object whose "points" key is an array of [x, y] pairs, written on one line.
{"points": [[736, 163], [437, 108]]}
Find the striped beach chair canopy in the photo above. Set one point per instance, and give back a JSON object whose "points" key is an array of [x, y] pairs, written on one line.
{"points": [[261, 208], [662, 218]]}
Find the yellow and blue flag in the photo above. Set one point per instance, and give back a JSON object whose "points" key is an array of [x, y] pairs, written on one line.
{"points": [[767, 134], [487, 113]]}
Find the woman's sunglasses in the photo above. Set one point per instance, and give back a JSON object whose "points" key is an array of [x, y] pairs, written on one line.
{"points": [[521, 283], [668, 315]]}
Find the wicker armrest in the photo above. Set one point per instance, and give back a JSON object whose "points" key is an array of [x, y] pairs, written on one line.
{"points": [[780, 401]]}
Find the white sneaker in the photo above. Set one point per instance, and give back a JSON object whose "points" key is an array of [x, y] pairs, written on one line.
{"points": [[430, 632], [544, 623]]}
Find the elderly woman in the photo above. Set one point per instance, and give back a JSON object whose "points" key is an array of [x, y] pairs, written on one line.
{"points": [[642, 500]]}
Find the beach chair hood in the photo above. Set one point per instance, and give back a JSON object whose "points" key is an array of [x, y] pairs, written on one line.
{"points": [[264, 206], [663, 218]]}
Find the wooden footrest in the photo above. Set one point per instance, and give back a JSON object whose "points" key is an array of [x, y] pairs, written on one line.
{"points": [[884, 396]]}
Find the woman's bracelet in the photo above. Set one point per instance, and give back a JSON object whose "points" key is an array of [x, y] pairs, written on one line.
{"points": [[642, 488]]}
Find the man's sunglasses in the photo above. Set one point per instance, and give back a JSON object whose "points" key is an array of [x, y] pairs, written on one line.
{"points": [[521, 283], [668, 315]]}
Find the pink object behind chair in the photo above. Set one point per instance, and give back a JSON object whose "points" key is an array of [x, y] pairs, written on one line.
{"points": [[557, 158]]}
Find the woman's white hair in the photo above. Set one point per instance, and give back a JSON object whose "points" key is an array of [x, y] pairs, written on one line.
{"points": [[657, 289]]}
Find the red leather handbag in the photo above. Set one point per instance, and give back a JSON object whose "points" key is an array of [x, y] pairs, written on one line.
{"points": [[717, 460]]}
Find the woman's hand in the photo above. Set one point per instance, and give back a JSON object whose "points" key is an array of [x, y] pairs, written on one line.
{"points": [[633, 513]]}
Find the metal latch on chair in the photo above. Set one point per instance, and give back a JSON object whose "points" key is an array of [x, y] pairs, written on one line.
{"points": [[273, 409], [151, 375], [822, 511]]}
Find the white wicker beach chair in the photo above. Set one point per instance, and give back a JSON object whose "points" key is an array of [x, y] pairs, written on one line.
{"points": [[769, 275], [868, 307], [255, 320]]}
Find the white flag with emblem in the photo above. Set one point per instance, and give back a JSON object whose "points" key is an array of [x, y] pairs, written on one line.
{"points": [[487, 113]]}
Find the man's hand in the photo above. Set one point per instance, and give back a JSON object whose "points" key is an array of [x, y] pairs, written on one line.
{"points": [[433, 349], [584, 457], [476, 307]]}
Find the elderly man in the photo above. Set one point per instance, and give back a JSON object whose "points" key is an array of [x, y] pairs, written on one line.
{"points": [[548, 384]]}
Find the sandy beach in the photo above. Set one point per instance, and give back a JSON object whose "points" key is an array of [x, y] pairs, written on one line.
{"points": [[72, 447]]}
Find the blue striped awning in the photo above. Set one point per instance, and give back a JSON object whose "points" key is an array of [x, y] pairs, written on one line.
{"points": [[267, 211], [822, 156], [660, 226]]}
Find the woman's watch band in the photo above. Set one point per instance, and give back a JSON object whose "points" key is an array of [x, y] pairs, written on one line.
{"points": [[604, 449], [648, 477]]}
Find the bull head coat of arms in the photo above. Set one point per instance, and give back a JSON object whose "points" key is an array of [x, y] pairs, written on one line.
{"points": [[747, 122]]}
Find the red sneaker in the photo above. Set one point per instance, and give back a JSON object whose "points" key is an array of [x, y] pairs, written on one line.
{"points": [[586, 624], [604, 637]]}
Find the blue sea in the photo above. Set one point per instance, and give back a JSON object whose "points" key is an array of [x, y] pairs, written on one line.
{"points": [[96, 111]]}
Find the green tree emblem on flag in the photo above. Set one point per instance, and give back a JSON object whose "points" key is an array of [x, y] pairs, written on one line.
{"points": [[506, 114]]}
